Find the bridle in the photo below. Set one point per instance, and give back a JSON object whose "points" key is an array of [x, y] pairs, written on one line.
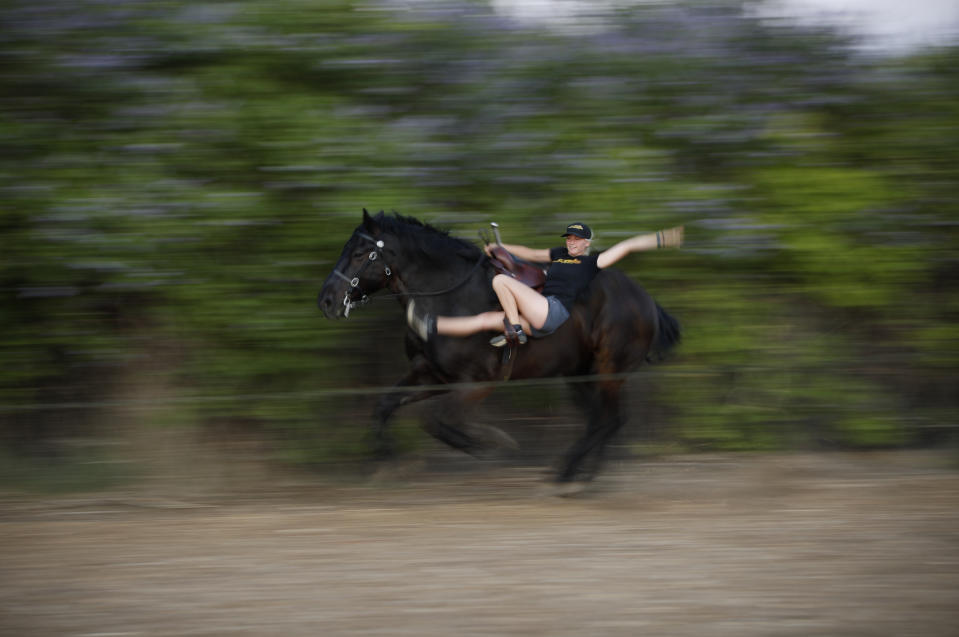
{"points": [[375, 255], [355, 280]]}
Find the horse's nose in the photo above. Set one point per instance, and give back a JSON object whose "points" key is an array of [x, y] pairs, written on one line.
{"points": [[325, 302]]}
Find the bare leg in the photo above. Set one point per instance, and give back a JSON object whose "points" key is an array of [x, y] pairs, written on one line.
{"points": [[522, 305], [466, 325], [518, 299]]}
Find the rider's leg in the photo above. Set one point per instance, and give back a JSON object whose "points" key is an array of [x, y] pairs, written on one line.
{"points": [[466, 325], [523, 306], [520, 301]]}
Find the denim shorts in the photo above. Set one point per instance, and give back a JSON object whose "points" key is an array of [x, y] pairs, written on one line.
{"points": [[555, 316]]}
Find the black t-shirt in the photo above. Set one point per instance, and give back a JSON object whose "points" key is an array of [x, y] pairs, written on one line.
{"points": [[568, 276]]}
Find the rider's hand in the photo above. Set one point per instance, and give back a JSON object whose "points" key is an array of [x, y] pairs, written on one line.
{"points": [[670, 238]]}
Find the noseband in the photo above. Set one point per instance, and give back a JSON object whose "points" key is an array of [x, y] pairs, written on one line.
{"points": [[355, 280]]}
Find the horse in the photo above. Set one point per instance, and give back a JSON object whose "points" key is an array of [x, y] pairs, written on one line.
{"points": [[615, 326]]}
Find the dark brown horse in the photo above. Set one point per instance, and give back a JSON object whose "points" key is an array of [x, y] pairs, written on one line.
{"points": [[615, 327]]}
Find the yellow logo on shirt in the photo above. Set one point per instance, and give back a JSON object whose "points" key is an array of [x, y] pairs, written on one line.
{"points": [[567, 261]]}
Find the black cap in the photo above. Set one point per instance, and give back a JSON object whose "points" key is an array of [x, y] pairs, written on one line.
{"points": [[580, 230]]}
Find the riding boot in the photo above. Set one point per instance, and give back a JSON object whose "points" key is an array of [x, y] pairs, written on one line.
{"points": [[423, 326]]}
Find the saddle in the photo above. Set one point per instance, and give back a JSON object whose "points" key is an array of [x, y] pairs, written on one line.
{"points": [[531, 274]]}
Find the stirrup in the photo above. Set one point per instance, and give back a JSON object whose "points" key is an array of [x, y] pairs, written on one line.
{"points": [[498, 341], [514, 335]]}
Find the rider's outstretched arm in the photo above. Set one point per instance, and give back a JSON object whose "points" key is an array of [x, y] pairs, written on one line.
{"points": [[671, 238], [536, 255]]}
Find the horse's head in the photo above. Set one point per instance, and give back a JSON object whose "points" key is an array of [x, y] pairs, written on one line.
{"points": [[360, 270]]}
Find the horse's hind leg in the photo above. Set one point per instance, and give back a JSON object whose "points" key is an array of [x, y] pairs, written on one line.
{"points": [[601, 403]]}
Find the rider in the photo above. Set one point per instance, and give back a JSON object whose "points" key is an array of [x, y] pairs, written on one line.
{"points": [[525, 310]]}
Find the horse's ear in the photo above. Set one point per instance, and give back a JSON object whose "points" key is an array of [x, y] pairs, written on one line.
{"points": [[368, 222]]}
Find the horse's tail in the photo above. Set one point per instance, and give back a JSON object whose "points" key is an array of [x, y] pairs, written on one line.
{"points": [[668, 334]]}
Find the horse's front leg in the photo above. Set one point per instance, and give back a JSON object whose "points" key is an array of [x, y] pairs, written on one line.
{"points": [[400, 394], [450, 424]]}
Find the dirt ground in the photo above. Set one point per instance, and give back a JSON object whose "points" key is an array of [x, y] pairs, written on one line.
{"points": [[802, 545]]}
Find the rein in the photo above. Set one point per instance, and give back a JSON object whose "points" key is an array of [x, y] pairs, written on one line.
{"points": [[374, 256]]}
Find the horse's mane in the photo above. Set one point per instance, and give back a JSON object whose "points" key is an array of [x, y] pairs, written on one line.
{"points": [[432, 241]]}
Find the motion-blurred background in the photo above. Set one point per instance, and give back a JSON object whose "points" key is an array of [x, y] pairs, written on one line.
{"points": [[178, 177]]}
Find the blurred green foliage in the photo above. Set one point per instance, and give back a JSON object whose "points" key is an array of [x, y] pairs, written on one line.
{"points": [[178, 178]]}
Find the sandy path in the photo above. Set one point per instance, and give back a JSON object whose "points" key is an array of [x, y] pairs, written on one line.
{"points": [[721, 545]]}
